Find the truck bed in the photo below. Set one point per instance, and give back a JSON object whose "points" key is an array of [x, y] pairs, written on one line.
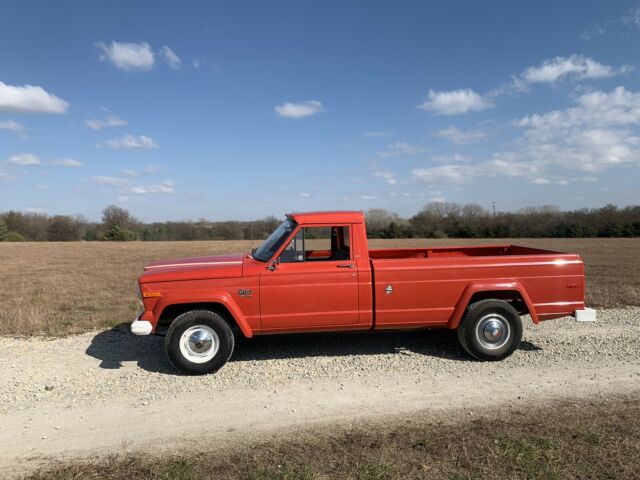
{"points": [[462, 251], [422, 286]]}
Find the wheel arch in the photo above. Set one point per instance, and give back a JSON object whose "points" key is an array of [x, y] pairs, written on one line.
{"points": [[512, 292], [224, 306]]}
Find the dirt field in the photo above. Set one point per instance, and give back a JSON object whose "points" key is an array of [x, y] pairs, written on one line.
{"points": [[66, 288]]}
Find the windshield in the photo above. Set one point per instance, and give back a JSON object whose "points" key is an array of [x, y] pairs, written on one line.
{"points": [[275, 240]]}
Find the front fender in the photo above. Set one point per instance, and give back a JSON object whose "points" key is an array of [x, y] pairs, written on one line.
{"points": [[220, 297], [479, 287]]}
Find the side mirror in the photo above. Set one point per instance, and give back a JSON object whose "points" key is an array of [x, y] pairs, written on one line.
{"points": [[273, 265]]}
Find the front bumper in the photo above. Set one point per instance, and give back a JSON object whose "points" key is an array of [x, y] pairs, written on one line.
{"points": [[585, 315], [141, 327]]}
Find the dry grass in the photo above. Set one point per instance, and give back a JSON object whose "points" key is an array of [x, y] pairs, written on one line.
{"points": [[64, 288], [587, 440]]}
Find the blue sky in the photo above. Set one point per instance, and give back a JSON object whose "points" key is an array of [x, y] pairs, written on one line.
{"points": [[245, 109]]}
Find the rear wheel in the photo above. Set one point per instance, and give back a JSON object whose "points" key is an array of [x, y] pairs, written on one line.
{"points": [[490, 330], [199, 342]]}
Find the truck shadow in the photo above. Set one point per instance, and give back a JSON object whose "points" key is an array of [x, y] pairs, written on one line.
{"points": [[117, 345]]}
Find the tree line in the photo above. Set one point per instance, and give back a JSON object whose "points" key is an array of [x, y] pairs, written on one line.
{"points": [[434, 220]]}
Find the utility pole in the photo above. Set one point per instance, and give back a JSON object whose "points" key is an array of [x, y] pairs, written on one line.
{"points": [[493, 207]]}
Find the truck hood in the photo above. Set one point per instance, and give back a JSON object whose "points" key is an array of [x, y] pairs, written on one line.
{"points": [[194, 268]]}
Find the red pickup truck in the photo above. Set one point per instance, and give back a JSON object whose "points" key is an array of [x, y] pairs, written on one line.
{"points": [[316, 273]]}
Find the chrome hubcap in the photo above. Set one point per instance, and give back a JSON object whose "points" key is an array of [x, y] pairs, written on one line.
{"points": [[200, 341], [493, 331], [199, 344]]}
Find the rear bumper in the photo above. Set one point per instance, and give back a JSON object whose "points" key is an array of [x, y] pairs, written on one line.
{"points": [[585, 315], [141, 327]]}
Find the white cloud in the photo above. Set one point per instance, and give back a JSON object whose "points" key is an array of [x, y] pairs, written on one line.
{"points": [[501, 165], [67, 162], [441, 174], [29, 99], [576, 66], [367, 197], [600, 132], [388, 177], [41, 187], [452, 158], [113, 181], [35, 210], [620, 107], [166, 187], [455, 102], [397, 149], [122, 198], [172, 59], [299, 110], [459, 137], [541, 181], [510, 165], [128, 56], [377, 134], [25, 159], [131, 142], [127, 172], [304, 194], [109, 121], [12, 126], [631, 19], [595, 31], [152, 169]]}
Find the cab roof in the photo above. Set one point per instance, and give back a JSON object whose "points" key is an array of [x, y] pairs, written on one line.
{"points": [[330, 217]]}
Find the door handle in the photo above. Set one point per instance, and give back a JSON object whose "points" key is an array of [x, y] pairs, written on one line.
{"points": [[346, 265]]}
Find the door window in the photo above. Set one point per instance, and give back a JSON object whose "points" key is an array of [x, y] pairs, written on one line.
{"points": [[317, 244]]}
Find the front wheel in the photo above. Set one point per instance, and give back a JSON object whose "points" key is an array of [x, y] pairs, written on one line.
{"points": [[490, 330], [199, 342]]}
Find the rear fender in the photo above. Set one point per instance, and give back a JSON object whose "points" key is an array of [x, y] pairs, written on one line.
{"points": [[473, 288], [217, 297]]}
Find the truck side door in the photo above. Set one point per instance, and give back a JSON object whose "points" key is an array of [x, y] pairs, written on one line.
{"points": [[314, 283]]}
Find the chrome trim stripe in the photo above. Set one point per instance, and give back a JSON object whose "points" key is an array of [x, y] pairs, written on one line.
{"points": [[169, 265]]}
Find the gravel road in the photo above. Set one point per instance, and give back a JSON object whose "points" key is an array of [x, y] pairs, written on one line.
{"points": [[91, 393]]}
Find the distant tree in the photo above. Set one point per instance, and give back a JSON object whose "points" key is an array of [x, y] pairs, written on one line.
{"points": [[444, 209], [15, 237], [30, 226], [437, 219], [63, 229], [116, 216], [393, 231], [92, 233], [13, 220], [473, 210], [378, 221], [228, 231], [115, 233]]}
